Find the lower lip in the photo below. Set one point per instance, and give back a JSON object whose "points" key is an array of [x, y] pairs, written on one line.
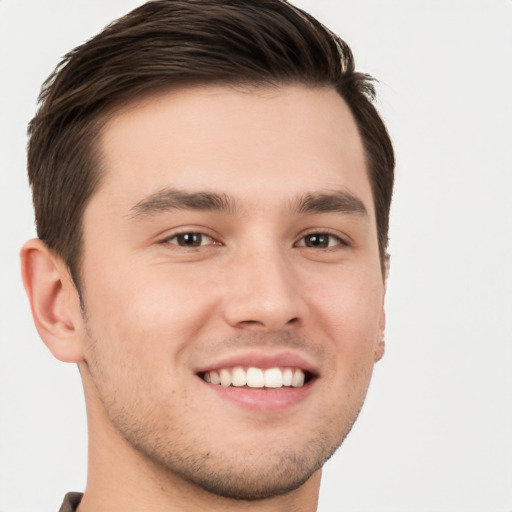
{"points": [[262, 399]]}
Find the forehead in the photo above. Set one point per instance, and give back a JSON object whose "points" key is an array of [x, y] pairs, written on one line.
{"points": [[255, 144]]}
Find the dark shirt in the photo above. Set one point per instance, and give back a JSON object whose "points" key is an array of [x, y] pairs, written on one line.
{"points": [[71, 501]]}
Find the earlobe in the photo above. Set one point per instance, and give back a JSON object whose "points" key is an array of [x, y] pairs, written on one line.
{"points": [[380, 348], [53, 300]]}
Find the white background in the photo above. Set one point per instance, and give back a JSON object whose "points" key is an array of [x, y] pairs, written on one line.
{"points": [[435, 434]]}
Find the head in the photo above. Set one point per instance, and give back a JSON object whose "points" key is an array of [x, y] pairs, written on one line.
{"points": [[245, 125]]}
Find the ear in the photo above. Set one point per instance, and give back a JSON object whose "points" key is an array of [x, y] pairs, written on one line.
{"points": [[381, 343], [53, 299]]}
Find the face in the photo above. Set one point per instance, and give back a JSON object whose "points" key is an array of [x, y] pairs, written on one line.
{"points": [[232, 239]]}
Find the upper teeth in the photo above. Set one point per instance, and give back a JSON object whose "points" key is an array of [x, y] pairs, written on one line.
{"points": [[256, 377]]}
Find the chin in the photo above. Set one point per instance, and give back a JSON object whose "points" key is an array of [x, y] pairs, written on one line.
{"points": [[251, 483], [245, 474]]}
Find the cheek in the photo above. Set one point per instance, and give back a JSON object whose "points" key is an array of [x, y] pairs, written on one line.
{"points": [[351, 301], [349, 310], [150, 314], [350, 318]]}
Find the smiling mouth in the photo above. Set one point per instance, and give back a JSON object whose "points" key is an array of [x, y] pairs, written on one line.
{"points": [[258, 378]]}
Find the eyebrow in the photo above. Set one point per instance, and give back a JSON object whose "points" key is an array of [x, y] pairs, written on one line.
{"points": [[173, 199], [339, 201]]}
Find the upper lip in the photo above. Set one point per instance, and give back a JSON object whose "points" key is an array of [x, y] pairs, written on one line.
{"points": [[261, 359]]}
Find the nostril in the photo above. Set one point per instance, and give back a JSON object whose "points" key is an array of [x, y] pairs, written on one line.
{"points": [[249, 323], [267, 326]]}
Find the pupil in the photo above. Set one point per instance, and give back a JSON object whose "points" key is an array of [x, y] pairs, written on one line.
{"points": [[190, 239], [317, 241]]}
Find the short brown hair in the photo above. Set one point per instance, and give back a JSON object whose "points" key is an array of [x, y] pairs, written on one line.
{"points": [[178, 43]]}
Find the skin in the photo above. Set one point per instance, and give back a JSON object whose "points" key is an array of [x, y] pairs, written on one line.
{"points": [[160, 438]]}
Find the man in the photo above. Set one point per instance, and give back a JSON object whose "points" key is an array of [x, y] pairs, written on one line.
{"points": [[212, 186]]}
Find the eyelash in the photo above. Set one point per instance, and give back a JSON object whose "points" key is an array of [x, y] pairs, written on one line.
{"points": [[330, 237]]}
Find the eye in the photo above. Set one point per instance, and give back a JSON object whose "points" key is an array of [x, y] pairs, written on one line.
{"points": [[190, 240], [320, 241]]}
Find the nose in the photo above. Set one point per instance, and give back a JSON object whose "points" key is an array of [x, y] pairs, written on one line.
{"points": [[263, 293]]}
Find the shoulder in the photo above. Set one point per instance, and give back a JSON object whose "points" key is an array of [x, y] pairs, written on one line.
{"points": [[71, 502]]}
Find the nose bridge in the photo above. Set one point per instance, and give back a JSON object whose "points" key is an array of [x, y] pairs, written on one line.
{"points": [[263, 293]]}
